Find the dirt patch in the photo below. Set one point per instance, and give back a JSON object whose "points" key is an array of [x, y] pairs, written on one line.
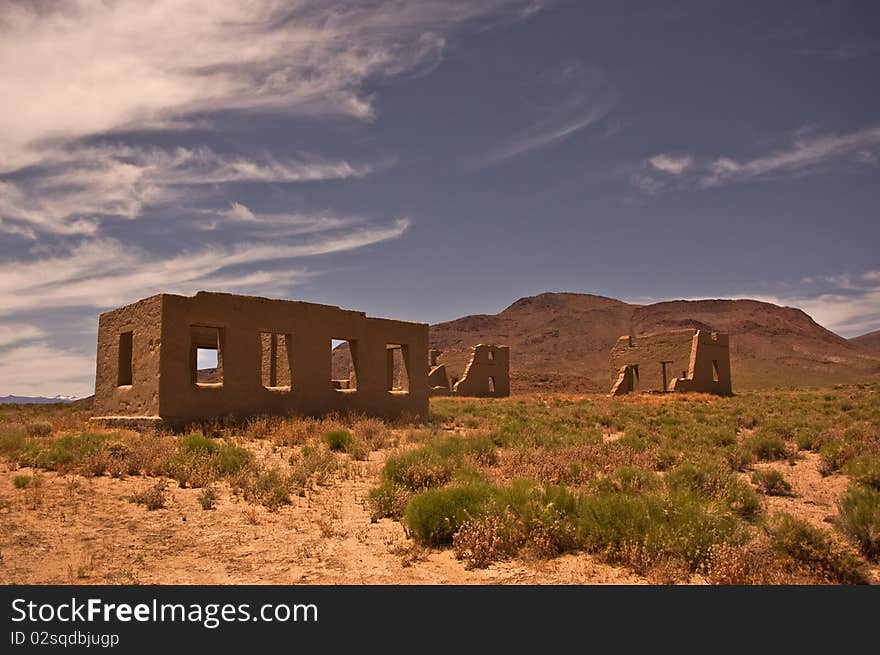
{"points": [[813, 497], [86, 531]]}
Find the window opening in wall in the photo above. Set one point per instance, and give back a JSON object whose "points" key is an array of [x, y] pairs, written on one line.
{"points": [[343, 364], [123, 377], [491, 384], [206, 355], [396, 373], [666, 380], [275, 368], [715, 376]]}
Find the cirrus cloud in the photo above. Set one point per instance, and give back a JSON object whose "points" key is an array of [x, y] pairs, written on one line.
{"points": [[807, 152]]}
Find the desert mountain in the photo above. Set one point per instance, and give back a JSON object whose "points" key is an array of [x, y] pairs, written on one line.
{"points": [[561, 341], [869, 342]]}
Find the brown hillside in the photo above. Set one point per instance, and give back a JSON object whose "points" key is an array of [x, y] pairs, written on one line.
{"points": [[562, 340], [869, 342]]}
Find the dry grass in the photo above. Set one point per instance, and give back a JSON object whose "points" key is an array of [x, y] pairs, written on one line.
{"points": [[152, 497]]}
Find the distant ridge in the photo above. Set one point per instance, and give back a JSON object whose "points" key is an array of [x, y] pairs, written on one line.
{"points": [[869, 342], [35, 400], [561, 341]]}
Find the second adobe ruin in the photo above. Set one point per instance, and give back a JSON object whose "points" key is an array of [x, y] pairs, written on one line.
{"points": [[486, 374], [651, 362]]}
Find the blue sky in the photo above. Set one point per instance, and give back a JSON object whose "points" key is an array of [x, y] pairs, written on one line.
{"points": [[425, 160]]}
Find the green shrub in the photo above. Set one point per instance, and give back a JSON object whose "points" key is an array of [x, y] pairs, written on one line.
{"points": [[231, 458], [767, 446], [201, 460], [637, 438], [339, 440], [813, 550], [771, 482], [39, 429], [359, 450], [435, 515], [742, 499], [21, 481], [542, 520], [197, 444], [628, 479], [709, 478], [680, 524], [833, 456], [547, 517], [808, 438], [739, 458], [418, 469], [60, 453], [12, 442], [433, 465], [387, 501], [865, 470], [849, 443], [860, 518]]}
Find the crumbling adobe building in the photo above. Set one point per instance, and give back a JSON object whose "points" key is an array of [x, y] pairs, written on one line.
{"points": [[264, 357], [486, 374], [680, 360]]}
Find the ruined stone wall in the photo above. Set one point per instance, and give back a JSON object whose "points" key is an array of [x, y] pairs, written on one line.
{"points": [[710, 371], [117, 394], [438, 378], [259, 373], [696, 360], [648, 352], [487, 374]]}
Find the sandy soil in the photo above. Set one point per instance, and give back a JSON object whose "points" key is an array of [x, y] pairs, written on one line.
{"points": [[813, 497], [86, 531]]}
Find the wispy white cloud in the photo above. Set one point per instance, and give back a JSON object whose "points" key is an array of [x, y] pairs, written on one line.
{"points": [[86, 67], [83, 69], [804, 153], [580, 97], [278, 225], [238, 212], [545, 135], [105, 273], [11, 333], [807, 152], [76, 188], [672, 164]]}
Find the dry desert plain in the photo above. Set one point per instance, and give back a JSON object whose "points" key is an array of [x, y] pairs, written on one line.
{"points": [[769, 487]]}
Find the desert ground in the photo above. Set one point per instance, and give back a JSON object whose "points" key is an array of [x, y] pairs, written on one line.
{"points": [[775, 487]]}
